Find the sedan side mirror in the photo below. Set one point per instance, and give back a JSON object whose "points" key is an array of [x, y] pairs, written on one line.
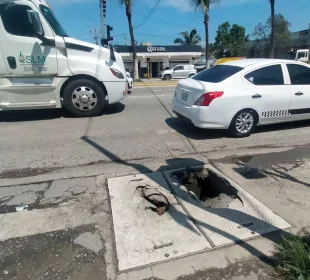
{"points": [[36, 24]]}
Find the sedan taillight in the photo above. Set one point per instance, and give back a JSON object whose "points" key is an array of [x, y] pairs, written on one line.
{"points": [[208, 97]]}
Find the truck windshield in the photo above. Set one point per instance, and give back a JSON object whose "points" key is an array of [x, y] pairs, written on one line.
{"points": [[50, 17]]}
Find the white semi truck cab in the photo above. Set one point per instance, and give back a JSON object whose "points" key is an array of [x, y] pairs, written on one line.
{"points": [[42, 67]]}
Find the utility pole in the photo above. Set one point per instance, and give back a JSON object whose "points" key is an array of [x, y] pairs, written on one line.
{"points": [[309, 36], [96, 36], [126, 41], [103, 9]]}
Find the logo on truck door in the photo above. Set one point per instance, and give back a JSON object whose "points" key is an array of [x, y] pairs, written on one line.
{"points": [[32, 63], [30, 59]]}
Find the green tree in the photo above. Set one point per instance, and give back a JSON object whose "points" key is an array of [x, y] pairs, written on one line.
{"points": [[263, 34], [272, 23], [230, 38], [204, 7], [261, 37], [282, 35], [189, 39], [128, 7]]}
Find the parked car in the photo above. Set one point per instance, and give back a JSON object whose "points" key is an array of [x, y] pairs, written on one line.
{"points": [[129, 80], [179, 72], [239, 95]]}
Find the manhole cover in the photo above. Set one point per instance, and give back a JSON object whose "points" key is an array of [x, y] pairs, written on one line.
{"points": [[144, 236], [224, 211]]}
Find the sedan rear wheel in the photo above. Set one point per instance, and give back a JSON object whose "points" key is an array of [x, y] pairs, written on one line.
{"points": [[243, 123]]}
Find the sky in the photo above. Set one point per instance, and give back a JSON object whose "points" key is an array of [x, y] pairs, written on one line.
{"points": [[81, 17]]}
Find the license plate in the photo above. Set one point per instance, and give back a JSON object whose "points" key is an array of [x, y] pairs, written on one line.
{"points": [[184, 96]]}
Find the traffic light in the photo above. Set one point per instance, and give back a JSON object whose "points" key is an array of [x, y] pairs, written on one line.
{"points": [[104, 7], [105, 42], [109, 29]]}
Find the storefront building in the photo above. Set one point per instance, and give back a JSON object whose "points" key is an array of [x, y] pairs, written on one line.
{"points": [[160, 57]]}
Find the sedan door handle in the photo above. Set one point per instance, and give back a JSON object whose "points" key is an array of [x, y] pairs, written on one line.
{"points": [[255, 96], [299, 93]]}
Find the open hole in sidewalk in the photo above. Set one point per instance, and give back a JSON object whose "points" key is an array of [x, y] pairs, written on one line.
{"points": [[207, 187]]}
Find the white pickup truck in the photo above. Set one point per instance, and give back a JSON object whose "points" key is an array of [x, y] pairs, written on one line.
{"points": [[42, 67], [302, 55], [178, 72]]}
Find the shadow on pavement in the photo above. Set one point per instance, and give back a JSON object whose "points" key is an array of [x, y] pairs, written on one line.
{"points": [[259, 166], [187, 129], [49, 114]]}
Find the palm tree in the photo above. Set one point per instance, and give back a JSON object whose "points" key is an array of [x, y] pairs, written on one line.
{"points": [[128, 6], [204, 6], [191, 39], [272, 41]]}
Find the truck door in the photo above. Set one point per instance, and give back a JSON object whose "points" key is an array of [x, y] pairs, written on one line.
{"points": [[31, 64]]}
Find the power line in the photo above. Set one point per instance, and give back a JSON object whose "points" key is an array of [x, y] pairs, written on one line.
{"points": [[96, 36], [148, 15], [82, 12], [161, 21], [154, 35]]}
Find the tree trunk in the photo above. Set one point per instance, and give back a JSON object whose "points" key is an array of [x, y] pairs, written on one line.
{"points": [[272, 41], [133, 44], [206, 22]]}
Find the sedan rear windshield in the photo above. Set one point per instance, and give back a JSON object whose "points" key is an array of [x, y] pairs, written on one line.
{"points": [[217, 73]]}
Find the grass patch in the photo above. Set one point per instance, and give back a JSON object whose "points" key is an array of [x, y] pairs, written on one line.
{"points": [[292, 257]]}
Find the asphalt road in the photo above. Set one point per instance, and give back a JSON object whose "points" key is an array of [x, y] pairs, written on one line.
{"points": [[142, 127]]}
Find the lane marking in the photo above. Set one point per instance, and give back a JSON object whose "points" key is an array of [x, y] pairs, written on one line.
{"points": [[174, 86]]}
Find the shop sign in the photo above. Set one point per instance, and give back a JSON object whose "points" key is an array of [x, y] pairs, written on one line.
{"points": [[151, 49]]}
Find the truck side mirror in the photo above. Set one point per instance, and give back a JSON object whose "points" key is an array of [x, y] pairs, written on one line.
{"points": [[35, 23], [112, 53]]}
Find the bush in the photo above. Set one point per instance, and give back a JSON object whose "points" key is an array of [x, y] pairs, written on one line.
{"points": [[292, 257]]}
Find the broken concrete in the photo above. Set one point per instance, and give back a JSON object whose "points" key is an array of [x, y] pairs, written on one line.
{"points": [[60, 190], [23, 194], [206, 186], [223, 226], [51, 256]]}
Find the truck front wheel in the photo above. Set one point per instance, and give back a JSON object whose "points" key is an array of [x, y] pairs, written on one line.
{"points": [[84, 98]]}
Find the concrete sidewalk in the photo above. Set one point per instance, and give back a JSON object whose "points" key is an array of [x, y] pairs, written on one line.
{"points": [[67, 231]]}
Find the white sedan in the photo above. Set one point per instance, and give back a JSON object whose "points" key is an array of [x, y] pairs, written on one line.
{"points": [[239, 95]]}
